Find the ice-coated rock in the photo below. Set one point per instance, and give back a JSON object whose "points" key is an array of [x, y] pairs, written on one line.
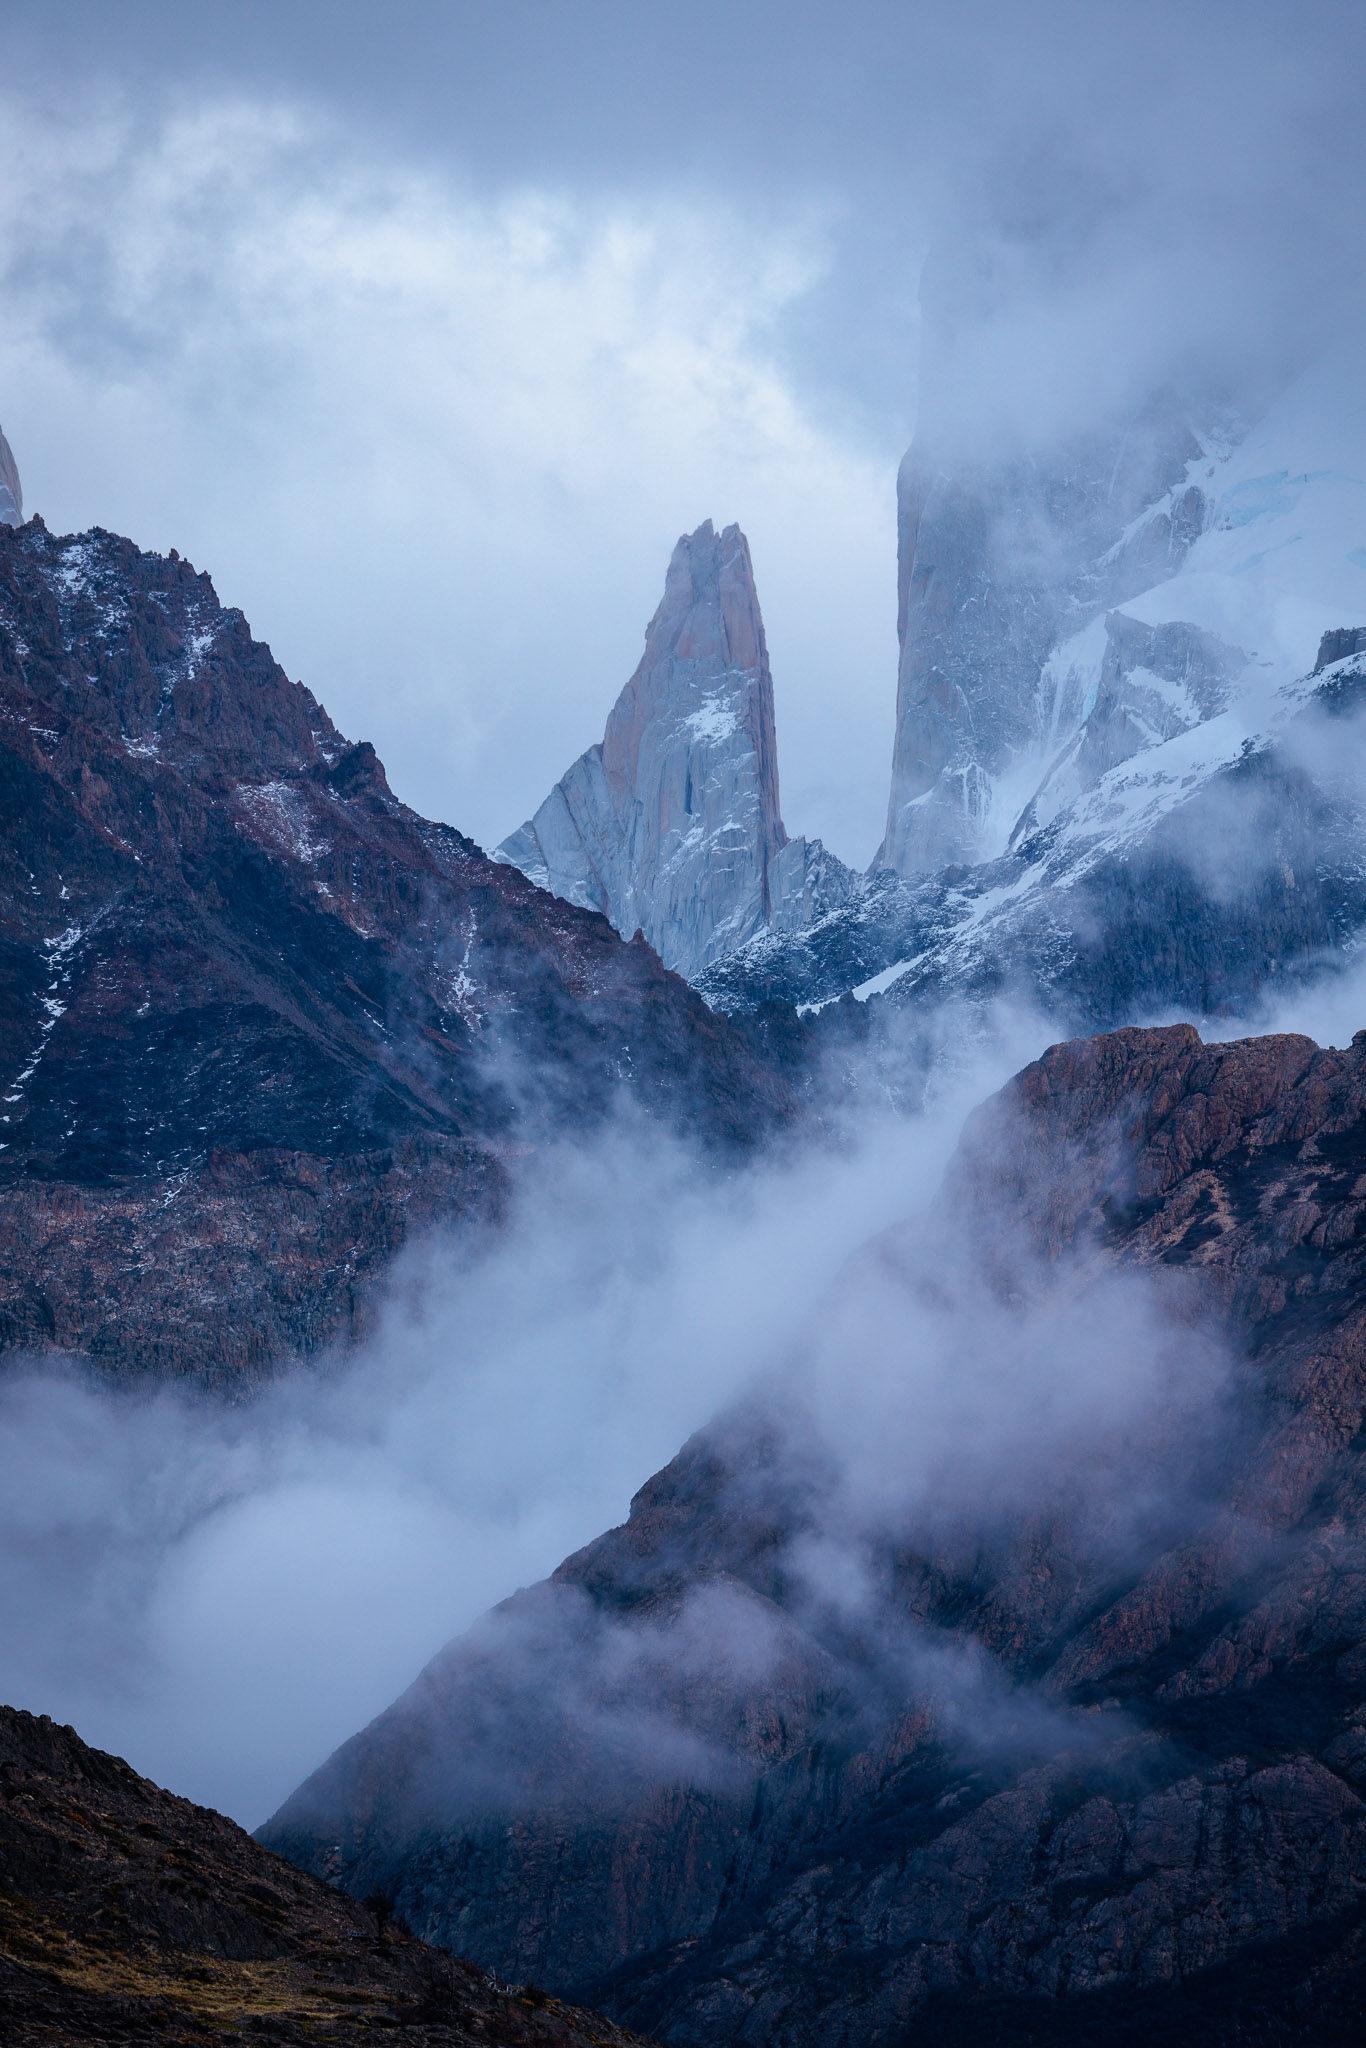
{"points": [[998, 567], [1007, 548], [1180, 821], [672, 825], [1338, 644], [11, 497]]}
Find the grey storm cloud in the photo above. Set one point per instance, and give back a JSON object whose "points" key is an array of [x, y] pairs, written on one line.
{"points": [[428, 330]]}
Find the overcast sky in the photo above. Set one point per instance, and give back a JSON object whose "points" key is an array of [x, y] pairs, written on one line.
{"points": [[427, 327]]}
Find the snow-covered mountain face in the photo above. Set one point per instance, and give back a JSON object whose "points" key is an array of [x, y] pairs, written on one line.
{"points": [[1126, 773], [1178, 815], [672, 825], [1220, 653], [997, 564], [11, 497]]}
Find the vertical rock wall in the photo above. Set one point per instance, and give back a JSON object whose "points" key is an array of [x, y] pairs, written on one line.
{"points": [[672, 825], [1012, 536], [998, 566]]}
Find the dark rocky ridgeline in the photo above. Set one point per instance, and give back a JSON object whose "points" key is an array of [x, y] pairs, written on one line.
{"points": [[672, 1781], [258, 1020], [128, 1915]]}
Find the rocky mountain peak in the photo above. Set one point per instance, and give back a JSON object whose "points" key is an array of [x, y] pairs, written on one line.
{"points": [[260, 1020], [11, 496], [999, 563], [672, 825], [701, 701]]}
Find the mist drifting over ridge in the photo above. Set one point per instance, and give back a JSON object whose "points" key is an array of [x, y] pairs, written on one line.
{"points": [[224, 1592], [197, 1583], [990, 1512], [995, 1615]]}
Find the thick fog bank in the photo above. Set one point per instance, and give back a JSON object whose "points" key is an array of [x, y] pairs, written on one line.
{"points": [[224, 1593]]}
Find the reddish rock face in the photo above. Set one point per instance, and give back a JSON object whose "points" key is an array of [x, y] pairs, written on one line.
{"points": [[258, 1020], [1162, 1834]]}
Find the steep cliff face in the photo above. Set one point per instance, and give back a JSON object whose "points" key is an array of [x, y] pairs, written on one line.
{"points": [[1185, 823], [998, 565], [258, 1020], [672, 825], [1087, 1753], [1014, 534], [11, 497]]}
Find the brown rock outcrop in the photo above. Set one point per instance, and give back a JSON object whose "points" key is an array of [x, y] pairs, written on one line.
{"points": [[1069, 1787]]}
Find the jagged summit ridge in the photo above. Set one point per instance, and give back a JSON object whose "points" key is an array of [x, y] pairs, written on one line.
{"points": [[11, 496], [260, 1020], [672, 825]]}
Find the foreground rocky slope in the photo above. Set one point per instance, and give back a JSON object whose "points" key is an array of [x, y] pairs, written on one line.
{"points": [[672, 825], [127, 1915], [258, 1020], [1044, 1749]]}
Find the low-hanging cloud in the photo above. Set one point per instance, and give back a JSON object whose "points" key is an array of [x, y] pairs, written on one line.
{"points": [[224, 1592], [438, 443], [432, 394], [437, 439], [912, 1424]]}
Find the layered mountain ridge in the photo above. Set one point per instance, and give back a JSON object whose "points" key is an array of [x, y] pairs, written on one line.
{"points": [[840, 1739], [1112, 672], [260, 1022]]}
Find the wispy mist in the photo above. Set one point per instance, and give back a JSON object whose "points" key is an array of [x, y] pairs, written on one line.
{"points": [[225, 1592], [434, 420]]}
